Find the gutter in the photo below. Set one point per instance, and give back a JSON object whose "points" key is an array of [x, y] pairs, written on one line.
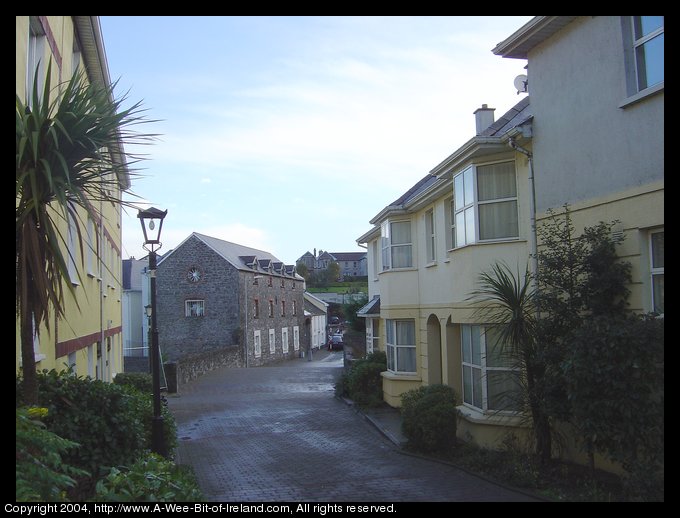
{"points": [[533, 244]]}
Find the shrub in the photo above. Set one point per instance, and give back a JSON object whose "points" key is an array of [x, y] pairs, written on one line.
{"points": [[142, 381], [41, 475], [365, 383], [150, 479], [430, 418], [112, 423]]}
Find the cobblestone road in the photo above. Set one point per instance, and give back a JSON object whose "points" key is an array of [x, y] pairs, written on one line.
{"points": [[278, 434]]}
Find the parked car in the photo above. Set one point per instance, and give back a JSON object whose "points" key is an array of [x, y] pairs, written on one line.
{"points": [[335, 342]]}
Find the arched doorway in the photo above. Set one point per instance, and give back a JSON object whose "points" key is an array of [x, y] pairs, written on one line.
{"points": [[434, 351]]}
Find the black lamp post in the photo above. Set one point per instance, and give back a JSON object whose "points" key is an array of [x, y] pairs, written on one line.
{"points": [[152, 223]]}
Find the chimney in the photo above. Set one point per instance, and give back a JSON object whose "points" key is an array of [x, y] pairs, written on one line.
{"points": [[483, 118]]}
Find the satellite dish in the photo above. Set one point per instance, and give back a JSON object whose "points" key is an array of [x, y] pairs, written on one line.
{"points": [[522, 84]]}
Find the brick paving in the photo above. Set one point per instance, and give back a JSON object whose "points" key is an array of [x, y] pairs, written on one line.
{"points": [[278, 434]]}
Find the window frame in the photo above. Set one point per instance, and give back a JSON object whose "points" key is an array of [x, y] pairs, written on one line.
{"points": [[483, 369], [640, 42], [657, 271], [463, 227], [388, 248], [430, 237], [200, 308], [272, 341], [257, 343], [285, 345], [296, 338], [392, 350]]}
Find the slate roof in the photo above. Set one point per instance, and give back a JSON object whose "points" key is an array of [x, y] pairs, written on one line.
{"points": [[348, 256], [370, 308], [515, 116]]}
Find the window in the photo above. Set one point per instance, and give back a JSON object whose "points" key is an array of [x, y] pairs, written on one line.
{"points": [[283, 283], [283, 308], [256, 308], [91, 248], [449, 216], [648, 44], [271, 308], [72, 249], [490, 381], [194, 308], [36, 57], [272, 341], [296, 338], [270, 282], [295, 308], [429, 235], [492, 212], [401, 346], [257, 344], [656, 239], [284, 339], [396, 244]]}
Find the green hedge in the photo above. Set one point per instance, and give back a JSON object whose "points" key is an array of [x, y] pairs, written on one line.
{"points": [[430, 418], [112, 423], [142, 381]]}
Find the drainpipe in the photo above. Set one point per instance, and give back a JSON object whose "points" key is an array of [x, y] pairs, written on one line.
{"points": [[533, 244]]}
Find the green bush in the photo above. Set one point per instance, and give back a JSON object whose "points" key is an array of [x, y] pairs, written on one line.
{"points": [[364, 383], [142, 381], [112, 423], [378, 357], [150, 479], [41, 474], [430, 418]]}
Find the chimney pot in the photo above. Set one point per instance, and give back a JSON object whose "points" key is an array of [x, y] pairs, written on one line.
{"points": [[484, 118]]}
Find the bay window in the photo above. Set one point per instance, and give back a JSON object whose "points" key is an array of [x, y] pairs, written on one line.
{"points": [[490, 375], [396, 244], [485, 203], [401, 346]]}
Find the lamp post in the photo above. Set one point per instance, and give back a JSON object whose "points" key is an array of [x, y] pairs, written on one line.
{"points": [[245, 338], [152, 236]]}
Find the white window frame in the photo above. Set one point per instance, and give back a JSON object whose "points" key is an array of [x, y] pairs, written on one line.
{"points": [[465, 221], [483, 368], [449, 218], [296, 338], [430, 237], [393, 350], [72, 250], [654, 271], [272, 341], [35, 55], [284, 339], [388, 247], [638, 43], [194, 308], [257, 343]]}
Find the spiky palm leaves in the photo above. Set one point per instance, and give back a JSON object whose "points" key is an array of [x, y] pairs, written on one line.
{"points": [[69, 154]]}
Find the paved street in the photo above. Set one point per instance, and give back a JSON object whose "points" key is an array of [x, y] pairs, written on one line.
{"points": [[279, 434]]}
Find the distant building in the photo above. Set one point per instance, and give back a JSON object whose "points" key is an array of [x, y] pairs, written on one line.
{"points": [[352, 264]]}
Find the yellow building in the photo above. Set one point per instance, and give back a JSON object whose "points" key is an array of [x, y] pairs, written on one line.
{"points": [[89, 336]]}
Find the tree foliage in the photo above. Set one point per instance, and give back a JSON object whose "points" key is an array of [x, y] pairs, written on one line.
{"points": [[69, 155]]}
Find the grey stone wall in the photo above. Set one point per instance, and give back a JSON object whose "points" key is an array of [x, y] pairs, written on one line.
{"points": [[281, 289], [191, 367], [181, 336]]}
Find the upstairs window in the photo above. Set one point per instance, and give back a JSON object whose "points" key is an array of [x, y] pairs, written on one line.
{"points": [[485, 204], [396, 245], [648, 43], [429, 236], [657, 255]]}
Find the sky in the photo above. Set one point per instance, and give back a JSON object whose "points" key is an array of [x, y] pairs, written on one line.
{"points": [[288, 134]]}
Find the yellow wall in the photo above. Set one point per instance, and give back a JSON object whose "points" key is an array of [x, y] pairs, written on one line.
{"points": [[95, 314]]}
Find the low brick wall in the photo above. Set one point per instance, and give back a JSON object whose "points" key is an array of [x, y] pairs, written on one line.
{"points": [[189, 368]]}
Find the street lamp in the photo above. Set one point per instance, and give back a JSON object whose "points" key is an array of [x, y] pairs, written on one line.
{"points": [[152, 223], [245, 338]]}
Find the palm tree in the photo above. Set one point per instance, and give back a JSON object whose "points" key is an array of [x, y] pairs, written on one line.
{"points": [[508, 301], [69, 154]]}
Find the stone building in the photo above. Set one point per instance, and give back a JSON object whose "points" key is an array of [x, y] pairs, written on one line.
{"points": [[220, 299]]}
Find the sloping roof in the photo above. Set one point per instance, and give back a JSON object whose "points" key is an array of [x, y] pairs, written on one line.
{"points": [[371, 308], [515, 116], [348, 256], [239, 256], [420, 186]]}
